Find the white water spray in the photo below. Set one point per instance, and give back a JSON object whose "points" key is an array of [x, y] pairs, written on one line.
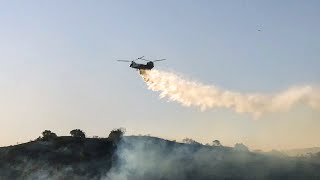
{"points": [[191, 93]]}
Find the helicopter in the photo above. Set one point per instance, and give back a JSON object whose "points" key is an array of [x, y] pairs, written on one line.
{"points": [[148, 66]]}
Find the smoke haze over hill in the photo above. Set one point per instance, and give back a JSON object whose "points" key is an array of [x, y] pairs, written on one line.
{"points": [[145, 158]]}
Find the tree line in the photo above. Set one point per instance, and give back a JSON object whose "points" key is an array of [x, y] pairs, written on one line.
{"points": [[115, 135]]}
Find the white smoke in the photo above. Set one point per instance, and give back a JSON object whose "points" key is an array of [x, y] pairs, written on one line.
{"points": [[191, 93]]}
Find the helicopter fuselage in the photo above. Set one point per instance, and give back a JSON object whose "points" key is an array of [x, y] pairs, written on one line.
{"points": [[147, 66]]}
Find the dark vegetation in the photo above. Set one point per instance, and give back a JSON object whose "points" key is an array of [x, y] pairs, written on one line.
{"points": [[77, 133], [119, 157], [64, 157]]}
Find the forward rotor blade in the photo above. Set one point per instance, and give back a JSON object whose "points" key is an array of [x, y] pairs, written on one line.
{"points": [[159, 60], [154, 60], [140, 57], [124, 60]]}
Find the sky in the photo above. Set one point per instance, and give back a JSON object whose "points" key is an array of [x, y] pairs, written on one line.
{"points": [[58, 67]]}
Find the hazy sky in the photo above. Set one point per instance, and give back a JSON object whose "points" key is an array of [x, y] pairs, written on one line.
{"points": [[58, 68]]}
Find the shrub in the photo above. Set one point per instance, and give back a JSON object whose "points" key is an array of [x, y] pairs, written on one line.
{"points": [[216, 143], [48, 135], [116, 135], [241, 147], [190, 141], [78, 133]]}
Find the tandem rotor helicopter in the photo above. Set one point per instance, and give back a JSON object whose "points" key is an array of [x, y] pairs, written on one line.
{"points": [[148, 66]]}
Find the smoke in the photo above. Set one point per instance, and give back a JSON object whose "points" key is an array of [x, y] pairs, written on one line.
{"points": [[145, 158], [191, 93]]}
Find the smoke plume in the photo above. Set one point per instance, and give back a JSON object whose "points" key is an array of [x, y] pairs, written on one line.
{"points": [[145, 158], [191, 93]]}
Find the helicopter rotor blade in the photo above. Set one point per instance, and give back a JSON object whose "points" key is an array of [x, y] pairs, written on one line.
{"points": [[123, 60], [153, 60], [140, 57], [158, 60]]}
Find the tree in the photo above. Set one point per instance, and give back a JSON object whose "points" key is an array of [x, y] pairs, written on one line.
{"points": [[48, 135], [216, 143], [190, 141], [116, 135], [241, 147], [77, 133]]}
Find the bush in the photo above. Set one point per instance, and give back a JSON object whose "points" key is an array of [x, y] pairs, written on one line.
{"points": [[48, 135], [216, 143], [116, 135], [77, 133], [190, 141], [241, 147]]}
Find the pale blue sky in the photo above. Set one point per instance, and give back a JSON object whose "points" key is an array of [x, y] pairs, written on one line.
{"points": [[58, 68]]}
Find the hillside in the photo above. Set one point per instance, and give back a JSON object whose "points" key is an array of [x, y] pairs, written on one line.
{"points": [[63, 157], [302, 151], [144, 157]]}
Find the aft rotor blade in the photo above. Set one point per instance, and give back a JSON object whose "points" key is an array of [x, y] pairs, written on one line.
{"points": [[140, 57], [124, 60], [159, 60]]}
